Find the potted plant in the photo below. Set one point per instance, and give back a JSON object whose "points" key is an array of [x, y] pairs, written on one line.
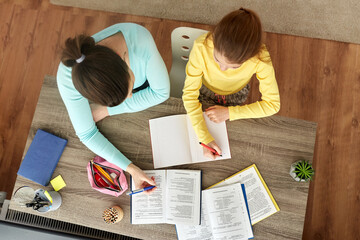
{"points": [[302, 171]]}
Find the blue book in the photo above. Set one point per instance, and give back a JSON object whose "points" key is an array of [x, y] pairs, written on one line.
{"points": [[42, 157]]}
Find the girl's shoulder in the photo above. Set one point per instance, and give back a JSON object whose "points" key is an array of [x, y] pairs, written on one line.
{"points": [[204, 40], [263, 55]]}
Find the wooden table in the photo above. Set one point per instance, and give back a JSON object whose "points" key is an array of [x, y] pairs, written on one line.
{"points": [[271, 143]]}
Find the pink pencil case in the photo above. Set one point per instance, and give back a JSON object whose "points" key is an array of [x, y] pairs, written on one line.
{"points": [[101, 183]]}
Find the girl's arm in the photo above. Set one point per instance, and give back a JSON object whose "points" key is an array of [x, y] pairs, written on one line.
{"points": [[270, 98], [193, 82]]}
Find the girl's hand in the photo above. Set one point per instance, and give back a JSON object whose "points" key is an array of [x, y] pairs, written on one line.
{"points": [[217, 113], [210, 154], [98, 112], [141, 180]]}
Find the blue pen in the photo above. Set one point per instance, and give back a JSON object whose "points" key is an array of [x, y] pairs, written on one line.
{"points": [[140, 190]]}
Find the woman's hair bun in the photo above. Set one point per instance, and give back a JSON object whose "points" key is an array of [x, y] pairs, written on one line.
{"points": [[75, 47]]}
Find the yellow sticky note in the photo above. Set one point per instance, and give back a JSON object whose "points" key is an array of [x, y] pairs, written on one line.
{"points": [[58, 183]]}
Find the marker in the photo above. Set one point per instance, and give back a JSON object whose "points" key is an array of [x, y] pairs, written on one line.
{"points": [[140, 190], [48, 196], [209, 148]]}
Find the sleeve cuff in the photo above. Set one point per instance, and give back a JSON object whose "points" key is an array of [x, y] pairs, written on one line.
{"points": [[207, 139], [116, 110], [123, 164], [232, 113]]}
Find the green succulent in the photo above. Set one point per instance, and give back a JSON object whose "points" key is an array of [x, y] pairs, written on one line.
{"points": [[304, 170]]}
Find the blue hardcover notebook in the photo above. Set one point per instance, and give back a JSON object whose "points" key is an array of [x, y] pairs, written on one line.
{"points": [[42, 157]]}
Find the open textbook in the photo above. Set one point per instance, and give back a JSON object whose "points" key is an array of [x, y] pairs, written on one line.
{"points": [[224, 216], [176, 199], [261, 202], [174, 141]]}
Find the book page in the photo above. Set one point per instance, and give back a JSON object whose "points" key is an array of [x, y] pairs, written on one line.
{"points": [[183, 197], [260, 204], [203, 231], [218, 131], [170, 141], [149, 209], [227, 212]]}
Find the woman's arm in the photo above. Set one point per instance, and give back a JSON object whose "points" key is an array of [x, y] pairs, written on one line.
{"points": [[80, 115]]}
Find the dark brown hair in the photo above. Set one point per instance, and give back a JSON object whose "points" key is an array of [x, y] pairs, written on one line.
{"points": [[102, 77], [238, 36]]}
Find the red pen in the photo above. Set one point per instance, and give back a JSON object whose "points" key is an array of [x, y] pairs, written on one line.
{"points": [[209, 148]]}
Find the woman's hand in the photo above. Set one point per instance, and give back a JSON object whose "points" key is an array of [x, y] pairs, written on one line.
{"points": [[98, 112], [217, 113], [140, 178], [210, 154]]}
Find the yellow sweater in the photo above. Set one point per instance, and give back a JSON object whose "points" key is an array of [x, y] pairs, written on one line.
{"points": [[202, 69]]}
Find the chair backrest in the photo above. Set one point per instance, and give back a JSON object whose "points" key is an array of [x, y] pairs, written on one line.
{"points": [[182, 40]]}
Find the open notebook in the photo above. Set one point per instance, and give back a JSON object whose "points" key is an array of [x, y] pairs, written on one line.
{"points": [[174, 141]]}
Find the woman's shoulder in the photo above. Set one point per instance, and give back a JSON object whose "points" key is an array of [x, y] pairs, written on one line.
{"points": [[130, 30], [64, 81], [134, 28], [63, 75]]}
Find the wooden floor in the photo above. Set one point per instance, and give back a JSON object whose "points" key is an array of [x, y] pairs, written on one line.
{"points": [[319, 81]]}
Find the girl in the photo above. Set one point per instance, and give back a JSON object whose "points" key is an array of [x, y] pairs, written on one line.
{"points": [[220, 66], [119, 70]]}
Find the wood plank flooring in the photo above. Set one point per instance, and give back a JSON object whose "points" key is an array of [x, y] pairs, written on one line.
{"points": [[319, 81]]}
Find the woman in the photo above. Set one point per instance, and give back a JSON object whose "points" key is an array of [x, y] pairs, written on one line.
{"points": [[119, 70], [221, 64]]}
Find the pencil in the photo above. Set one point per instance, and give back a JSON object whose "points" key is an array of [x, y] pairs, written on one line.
{"points": [[105, 174]]}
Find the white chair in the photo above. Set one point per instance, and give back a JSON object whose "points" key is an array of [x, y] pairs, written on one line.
{"points": [[182, 40]]}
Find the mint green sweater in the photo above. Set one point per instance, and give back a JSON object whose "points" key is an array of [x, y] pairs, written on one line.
{"points": [[145, 62]]}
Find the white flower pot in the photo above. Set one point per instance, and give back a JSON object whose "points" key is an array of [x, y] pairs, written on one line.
{"points": [[293, 175]]}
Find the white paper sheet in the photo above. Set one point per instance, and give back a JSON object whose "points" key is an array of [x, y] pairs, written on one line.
{"points": [[150, 209], [259, 201], [183, 197], [174, 141]]}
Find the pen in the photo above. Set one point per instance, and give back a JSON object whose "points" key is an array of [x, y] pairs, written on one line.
{"points": [[209, 148], [140, 190]]}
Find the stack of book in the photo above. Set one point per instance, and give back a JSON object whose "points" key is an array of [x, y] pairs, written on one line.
{"points": [[231, 207], [226, 210]]}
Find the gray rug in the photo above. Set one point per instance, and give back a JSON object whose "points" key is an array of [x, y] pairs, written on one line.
{"points": [[326, 19]]}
